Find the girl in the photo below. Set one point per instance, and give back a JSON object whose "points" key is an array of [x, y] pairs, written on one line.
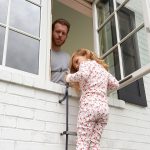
{"points": [[89, 73]]}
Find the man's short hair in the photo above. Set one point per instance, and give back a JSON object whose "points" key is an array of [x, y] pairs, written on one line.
{"points": [[62, 22]]}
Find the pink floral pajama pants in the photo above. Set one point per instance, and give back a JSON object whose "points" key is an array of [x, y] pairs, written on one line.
{"points": [[92, 119]]}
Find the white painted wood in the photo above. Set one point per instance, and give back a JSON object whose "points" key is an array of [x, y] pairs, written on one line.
{"points": [[136, 75], [79, 5], [146, 12], [6, 35], [95, 30], [118, 40]]}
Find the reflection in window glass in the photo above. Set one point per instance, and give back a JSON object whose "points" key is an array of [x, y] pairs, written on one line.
{"points": [[25, 16], [113, 62], [130, 55], [130, 16], [2, 36], [104, 10], [143, 47], [3, 10], [22, 52], [107, 36], [135, 52]]}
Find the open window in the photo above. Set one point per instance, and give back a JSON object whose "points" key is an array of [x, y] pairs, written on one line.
{"points": [[79, 15], [123, 43]]}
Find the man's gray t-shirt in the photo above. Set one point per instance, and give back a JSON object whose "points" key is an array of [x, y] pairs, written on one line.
{"points": [[59, 66]]}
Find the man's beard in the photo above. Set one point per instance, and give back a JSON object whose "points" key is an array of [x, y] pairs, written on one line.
{"points": [[58, 43]]}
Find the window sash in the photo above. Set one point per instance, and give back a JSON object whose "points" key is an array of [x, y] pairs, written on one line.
{"points": [[112, 14], [132, 80], [97, 28], [8, 27], [123, 40], [44, 38]]}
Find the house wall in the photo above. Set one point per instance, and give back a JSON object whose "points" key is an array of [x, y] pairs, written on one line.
{"points": [[31, 118]]}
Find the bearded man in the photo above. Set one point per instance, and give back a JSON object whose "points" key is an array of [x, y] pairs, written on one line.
{"points": [[59, 58]]}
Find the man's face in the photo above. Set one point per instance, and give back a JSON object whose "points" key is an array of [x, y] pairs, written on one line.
{"points": [[59, 34]]}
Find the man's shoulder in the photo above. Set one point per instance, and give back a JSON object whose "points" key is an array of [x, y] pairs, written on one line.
{"points": [[60, 55], [65, 54]]}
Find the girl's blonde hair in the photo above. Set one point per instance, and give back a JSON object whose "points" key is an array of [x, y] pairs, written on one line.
{"points": [[89, 55]]}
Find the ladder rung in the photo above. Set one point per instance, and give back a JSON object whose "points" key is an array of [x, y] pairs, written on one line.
{"points": [[69, 133]]}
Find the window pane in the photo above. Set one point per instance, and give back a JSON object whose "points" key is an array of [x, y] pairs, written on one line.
{"points": [[130, 55], [25, 16], [3, 10], [130, 16], [107, 36], [132, 49], [142, 42], [22, 52], [103, 10], [113, 61], [135, 52], [2, 37]]}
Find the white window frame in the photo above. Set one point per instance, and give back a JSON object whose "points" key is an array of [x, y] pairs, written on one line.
{"points": [[142, 71], [146, 11], [45, 42]]}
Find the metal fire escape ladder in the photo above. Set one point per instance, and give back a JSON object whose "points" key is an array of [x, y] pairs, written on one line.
{"points": [[67, 132]]}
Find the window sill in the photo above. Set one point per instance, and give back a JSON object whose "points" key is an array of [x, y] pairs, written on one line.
{"points": [[35, 82]]}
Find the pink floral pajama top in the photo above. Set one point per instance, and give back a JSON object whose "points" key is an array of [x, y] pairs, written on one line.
{"points": [[93, 80]]}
